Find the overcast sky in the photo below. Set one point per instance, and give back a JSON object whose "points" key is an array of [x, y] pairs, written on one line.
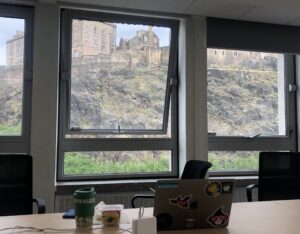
{"points": [[8, 28]]}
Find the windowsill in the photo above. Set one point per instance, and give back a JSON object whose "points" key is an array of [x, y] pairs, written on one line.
{"points": [[136, 185], [107, 186], [107, 182]]}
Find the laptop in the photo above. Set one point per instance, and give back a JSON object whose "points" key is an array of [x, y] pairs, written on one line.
{"points": [[193, 204]]}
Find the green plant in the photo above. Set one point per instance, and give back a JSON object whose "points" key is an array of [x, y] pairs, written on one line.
{"points": [[233, 161], [10, 130], [80, 163]]}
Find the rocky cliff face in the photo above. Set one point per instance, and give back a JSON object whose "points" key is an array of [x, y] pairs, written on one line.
{"points": [[10, 98], [120, 92], [124, 94], [243, 95]]}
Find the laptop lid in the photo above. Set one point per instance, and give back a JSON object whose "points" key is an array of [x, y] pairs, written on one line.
{"points": [[192, 204]]}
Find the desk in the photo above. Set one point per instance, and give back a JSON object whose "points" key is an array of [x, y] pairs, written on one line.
{"points": [[273, 217]]}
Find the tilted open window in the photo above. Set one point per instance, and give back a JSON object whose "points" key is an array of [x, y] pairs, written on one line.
{"points": [[118, 95]]}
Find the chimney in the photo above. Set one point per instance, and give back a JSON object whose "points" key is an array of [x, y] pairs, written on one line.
{"points": [[150, 35]]}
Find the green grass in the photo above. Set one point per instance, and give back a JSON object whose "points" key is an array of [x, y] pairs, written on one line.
{"points": [[233, 161], [79, 163], [10, 130], [82, 164]]}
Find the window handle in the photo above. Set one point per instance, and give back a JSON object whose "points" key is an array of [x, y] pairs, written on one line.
{"points": [[77, 129], [254, 136], [292, 88], [173, 81], [119, 131]]}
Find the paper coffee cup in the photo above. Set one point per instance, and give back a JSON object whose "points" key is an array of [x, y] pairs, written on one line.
{"points": [[84, 204]]}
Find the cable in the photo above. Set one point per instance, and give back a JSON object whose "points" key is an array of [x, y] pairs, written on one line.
{"points": [[54, 230], [141, 212], [125, 230]]}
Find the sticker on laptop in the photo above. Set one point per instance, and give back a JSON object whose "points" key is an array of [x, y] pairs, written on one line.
{"points": [[219, 218], [213, 189], [182, 202], [227, 187]]}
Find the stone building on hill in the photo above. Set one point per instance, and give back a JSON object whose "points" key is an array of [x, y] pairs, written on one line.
{"points": [[90, 38], [147, 42], [15, 49], [95, 42]]}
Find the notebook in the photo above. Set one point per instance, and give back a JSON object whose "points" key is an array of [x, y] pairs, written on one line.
{"points": [[69, 214], [192, 204]]}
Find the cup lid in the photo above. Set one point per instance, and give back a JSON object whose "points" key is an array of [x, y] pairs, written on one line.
{"points": [[87, 192]]}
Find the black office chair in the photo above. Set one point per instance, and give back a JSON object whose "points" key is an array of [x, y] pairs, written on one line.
{"points": [[193, 169], [278, 178], [16, 185]]}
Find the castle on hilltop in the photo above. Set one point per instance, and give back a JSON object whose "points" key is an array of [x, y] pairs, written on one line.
{"points": [[92, 38], [15, 49]]}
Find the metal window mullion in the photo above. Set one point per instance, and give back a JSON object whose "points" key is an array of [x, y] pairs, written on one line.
{"points": [[14, 147], [65, 73], [290, 99], [172, 79], [251, 145], [64, 95], [117, 176], [117, 145], [28, 76], [80, 131]]}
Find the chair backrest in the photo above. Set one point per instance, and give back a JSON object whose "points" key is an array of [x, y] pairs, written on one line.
{"points": [[279, 176], [15, 184], [195, 169]]}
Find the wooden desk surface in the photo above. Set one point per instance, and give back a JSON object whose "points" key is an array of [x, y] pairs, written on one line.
{"points": [[274, 217]]}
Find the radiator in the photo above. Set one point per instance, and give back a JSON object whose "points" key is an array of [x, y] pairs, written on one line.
{"points": [[64, 202]]}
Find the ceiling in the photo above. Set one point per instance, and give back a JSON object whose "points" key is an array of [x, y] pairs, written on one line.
{"points": [[285, 12]]}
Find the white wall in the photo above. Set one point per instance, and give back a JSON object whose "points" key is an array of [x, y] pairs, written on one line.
{"points": [[193, 141], [44, 102]]}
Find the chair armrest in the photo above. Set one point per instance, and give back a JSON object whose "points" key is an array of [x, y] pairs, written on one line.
{"points": [[249, 190], [149, 196], [40, 205]]}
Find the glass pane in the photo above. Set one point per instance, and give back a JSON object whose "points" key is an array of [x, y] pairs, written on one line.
{"points": [[124, 135], [117, 162], [245, 93], [11, 75], [233, 160], [119, 74]]}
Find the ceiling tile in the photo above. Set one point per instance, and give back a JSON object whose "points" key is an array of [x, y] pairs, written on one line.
{"points": [[219, 8], [111, 3], [272, 14], [172, 6]]}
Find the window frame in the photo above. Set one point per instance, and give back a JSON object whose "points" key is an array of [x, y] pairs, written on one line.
{"points": [[172, 79], [263, 143], [21, 143], [115, 144]]}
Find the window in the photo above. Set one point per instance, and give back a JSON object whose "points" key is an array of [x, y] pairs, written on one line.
{"points": [[250, 107], [251, 92], [94, 37], [15, 77], [118, 107]]}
